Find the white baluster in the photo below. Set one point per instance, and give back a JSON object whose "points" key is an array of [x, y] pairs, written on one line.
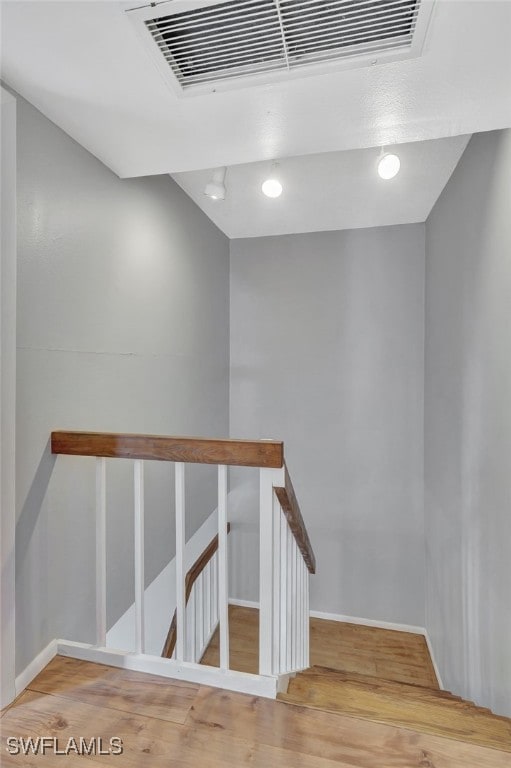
{"points": [[223, 584], [294, 582], [180, 562], [204, 611], [298, 606], [215, 588], [299, 613], [289, 598], [207, 595], [302, 614], [307, 619], [283, 592], [299, 624], [304, 651], [101, 552], [276, 586], [200, 618], [191, 611], [139, 557]]}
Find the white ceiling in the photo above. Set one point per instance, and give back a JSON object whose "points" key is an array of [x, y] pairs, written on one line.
{"points": [[82, 64], [335, 190]]}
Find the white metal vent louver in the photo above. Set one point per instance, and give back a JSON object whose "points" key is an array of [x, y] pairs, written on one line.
{"points": [[210, 43]]}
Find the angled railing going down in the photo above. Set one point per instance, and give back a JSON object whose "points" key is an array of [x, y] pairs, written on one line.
{"points": [[204, 606]]}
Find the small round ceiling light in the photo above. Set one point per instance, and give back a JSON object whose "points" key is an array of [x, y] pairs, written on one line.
{"points": [[388, 166], [272, 186], [215, 189]]}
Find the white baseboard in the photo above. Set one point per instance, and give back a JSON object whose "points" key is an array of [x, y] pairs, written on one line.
{"points": [[368, 622], [345, 619], [36, 665], [433, 660], [244, 603], [240, 682]]}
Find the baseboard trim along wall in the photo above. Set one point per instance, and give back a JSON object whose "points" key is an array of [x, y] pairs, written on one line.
{"points": [[433, 660], [346, 619], [368, 622], [36, 665], [243, 603]]}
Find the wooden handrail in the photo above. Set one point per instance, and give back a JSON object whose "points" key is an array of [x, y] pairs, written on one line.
{"points": [[291, 509], [199, 450], [190, 579]]}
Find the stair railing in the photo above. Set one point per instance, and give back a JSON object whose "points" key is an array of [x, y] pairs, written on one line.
{"points": [[201, 587], [286, 557], [286, 560]]}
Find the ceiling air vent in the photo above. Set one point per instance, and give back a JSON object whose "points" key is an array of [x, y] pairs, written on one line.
{"points": [[207, 45]]}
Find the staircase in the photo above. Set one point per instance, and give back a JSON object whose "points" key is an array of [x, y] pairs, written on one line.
{"points": [[201, 596], [420, 708], [360, 674]]}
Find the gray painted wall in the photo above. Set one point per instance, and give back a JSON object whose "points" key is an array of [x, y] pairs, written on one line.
{"points": [[123, 324], [468, 424], [7, 393], [327, 353]]}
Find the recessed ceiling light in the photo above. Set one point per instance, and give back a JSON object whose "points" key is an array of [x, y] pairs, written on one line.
{"points": [[388, 166], [272, 186], [215, 189]]}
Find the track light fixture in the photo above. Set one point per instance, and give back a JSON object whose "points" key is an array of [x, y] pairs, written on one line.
{"points": [[272, 186], [215, 189], [388, 165]]}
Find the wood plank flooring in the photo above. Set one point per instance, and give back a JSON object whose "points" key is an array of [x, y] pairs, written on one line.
{"points": [[124, 690], [399, 656], [167, 723], [243, 641]]}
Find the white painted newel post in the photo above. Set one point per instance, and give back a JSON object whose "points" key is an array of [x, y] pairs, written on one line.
{"points": [[269, 588], [283, 589]]}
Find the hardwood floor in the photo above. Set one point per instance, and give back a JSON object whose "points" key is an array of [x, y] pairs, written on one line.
{"points": [[399, 656], [165, 723], [243, 641]]}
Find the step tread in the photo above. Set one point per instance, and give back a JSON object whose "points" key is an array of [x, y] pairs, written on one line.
{"points": [[302, 687], [458, 719], [343, 674], [342, 681], [312, 688]]}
